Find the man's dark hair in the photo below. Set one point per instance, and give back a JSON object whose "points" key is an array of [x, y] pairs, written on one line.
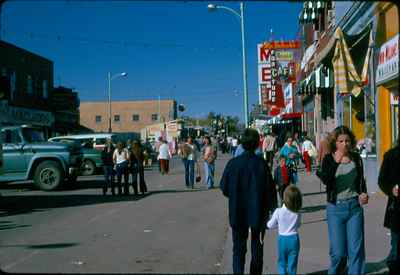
{"points": [[250, 139]]}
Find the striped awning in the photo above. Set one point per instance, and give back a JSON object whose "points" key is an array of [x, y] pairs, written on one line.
{"points": [[347, 80]]}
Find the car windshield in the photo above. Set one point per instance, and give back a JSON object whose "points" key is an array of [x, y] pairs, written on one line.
{"points": [[32, 135]]}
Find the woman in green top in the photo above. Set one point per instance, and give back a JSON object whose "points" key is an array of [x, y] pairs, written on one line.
{"points": [[342, 173]]}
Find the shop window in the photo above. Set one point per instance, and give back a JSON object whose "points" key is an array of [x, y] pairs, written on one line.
{"points": [[116, 118], [44, 87], [98, 119], [135, 117], [13, 87], [29, 85], [11, 136], [154, 117]]}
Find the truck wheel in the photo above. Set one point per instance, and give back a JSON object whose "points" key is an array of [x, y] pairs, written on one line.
{"points": [[88, 168], [48, 175]]}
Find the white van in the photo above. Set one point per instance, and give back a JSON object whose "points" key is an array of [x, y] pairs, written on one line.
{"points": [[98, 140]]}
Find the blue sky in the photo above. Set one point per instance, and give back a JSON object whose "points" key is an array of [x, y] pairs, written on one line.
{"points": [[170, 49]]}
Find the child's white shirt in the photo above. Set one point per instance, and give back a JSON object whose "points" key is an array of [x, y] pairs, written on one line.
{"points": [[285, 220]]}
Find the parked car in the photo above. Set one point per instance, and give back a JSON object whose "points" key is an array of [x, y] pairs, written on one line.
{"points": [[26, 156], [97, 140], [91, 161]]}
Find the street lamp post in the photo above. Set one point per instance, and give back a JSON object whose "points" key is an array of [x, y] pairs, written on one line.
{"points": [[109, 95], [212, 7]]}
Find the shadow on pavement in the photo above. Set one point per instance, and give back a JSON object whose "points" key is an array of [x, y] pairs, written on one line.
{"points": [[23, 204], [315, 208], [316, 221], [43, 246], [4, 225], [314, 193], [15, 205], [177, 191], [321, 272], [377, 268]]}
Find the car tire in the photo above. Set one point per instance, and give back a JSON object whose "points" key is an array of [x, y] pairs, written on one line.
{"points": [[88, 168], [48, 175]]}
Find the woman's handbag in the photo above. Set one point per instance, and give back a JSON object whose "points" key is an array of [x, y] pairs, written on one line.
{"points": [[312, 152], [198, 175]]}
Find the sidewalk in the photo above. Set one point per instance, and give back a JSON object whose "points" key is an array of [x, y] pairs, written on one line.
{"points": [[314, 243]]}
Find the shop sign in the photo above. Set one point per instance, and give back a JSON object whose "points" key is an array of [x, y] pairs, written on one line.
{"points": [[288, 98], [18, 115], [293, 44], [284, 56], [394, 99], [388, 61], [276, 68], [172, 126]]}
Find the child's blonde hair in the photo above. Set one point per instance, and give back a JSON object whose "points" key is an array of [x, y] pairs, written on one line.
{"points": [[293, 198]]}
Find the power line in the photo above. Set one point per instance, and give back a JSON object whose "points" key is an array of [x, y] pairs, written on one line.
{"points": [[118, 43]]}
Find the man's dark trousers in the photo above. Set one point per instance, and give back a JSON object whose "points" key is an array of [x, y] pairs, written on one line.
{"points": [[239, 237]]}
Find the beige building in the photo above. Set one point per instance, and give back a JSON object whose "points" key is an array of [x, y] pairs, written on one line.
{"points": [[127, 116]]}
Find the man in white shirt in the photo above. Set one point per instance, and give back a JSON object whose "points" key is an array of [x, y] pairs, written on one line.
{"points": [[164, 156]]}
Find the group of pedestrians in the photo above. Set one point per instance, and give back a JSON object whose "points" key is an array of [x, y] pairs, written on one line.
{"points": [[248, 184], [192, 154], [122, 162]]}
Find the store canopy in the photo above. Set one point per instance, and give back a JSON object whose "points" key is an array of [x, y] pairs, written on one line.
{"points": [[290, 116], [346, 76], [358, 44]]}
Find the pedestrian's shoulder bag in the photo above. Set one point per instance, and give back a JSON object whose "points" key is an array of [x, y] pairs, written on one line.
{"points": [[312, 152], [198, 175], [212, 156]]}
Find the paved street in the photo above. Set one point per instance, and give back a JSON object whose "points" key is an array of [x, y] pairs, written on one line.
{"points": [[170, 230]]}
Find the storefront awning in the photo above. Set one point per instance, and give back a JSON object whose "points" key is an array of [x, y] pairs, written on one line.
{"points": [[326, 45], [347, 78], [290, 116]]}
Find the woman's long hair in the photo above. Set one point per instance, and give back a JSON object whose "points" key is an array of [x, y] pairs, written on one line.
{"points": [[341, 130]]}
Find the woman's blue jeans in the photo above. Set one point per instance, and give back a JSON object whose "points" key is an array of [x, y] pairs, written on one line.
{"points": [[189, 172], [209, 174], [346, 236], [288, 248]]}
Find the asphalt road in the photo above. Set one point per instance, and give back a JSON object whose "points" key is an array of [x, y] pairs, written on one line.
{"points": [[170, 230]]}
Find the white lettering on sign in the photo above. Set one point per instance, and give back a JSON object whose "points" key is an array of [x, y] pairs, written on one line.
{"points": [[388, 61]]}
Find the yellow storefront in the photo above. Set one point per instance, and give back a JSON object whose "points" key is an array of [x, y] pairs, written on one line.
{"points": [[387, 73]]}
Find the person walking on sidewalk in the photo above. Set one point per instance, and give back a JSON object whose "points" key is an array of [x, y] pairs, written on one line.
{"points": [[108, 164], [291, 155], [269, 148], [164, 156], [209, 157], [136, 159], [389, 182], [187, 152], [121, 158], [309, 152], [281, 177], [287, 220], [342, 173], [251, 193]]}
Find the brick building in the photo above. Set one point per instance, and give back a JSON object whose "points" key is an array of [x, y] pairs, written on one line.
{"points": [[127, 116], [26, 80]]}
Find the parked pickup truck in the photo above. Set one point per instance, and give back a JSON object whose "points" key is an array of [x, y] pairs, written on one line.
{"points": [[25, 155]]}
